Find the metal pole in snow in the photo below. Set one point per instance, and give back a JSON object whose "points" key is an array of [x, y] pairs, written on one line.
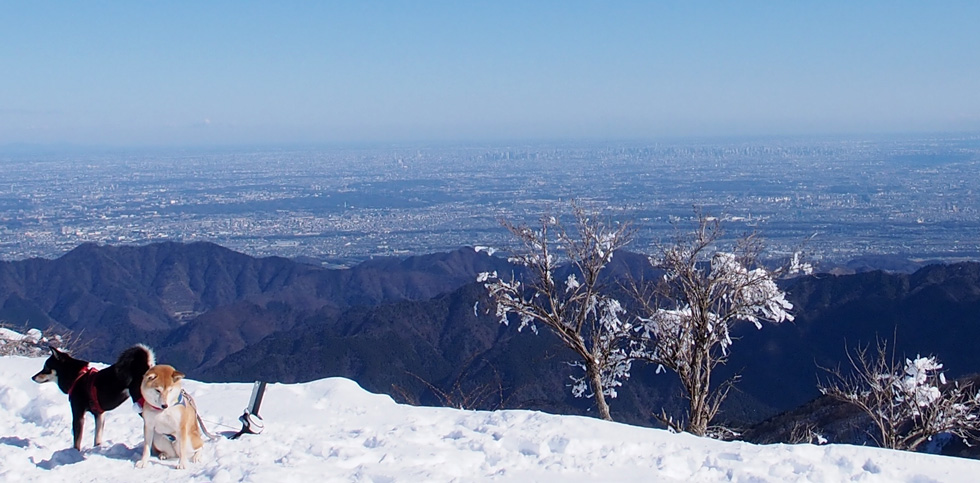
{"points": [[251, 421]]}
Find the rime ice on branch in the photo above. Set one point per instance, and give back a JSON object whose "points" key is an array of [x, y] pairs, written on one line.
{"points": [[907, 403], [689, 314], [576, 309]]}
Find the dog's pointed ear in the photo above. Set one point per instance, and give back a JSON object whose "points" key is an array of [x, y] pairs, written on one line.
{"points": [[57, 353], [178, 376], [149, 376]]}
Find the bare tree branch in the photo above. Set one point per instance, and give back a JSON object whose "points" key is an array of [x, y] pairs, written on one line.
{"points": [[577, 310], [909, 401], [688, 315]]}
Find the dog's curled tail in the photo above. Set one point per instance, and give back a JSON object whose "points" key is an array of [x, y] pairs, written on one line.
{"points": [[138, 357], [131, 366]]}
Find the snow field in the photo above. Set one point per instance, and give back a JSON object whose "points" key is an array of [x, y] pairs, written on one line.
{"points": [[332, 430]]}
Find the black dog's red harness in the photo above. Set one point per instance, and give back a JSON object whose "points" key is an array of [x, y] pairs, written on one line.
{"points": [[93, 405]]}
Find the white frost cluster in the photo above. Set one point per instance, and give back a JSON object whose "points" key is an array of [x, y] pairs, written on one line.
{"points": [[485, 276], [571, 283], [605, 243], [616, 363], [752, 293], [489, 250], [729, 292], [797, 265], [917, 384]]}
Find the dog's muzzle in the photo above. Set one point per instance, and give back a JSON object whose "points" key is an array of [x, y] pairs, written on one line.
{"points": [[43, 377]]}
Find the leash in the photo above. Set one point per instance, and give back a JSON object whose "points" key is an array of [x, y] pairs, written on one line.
{"points": [[200, 421], [218, 423], [251, 421]]}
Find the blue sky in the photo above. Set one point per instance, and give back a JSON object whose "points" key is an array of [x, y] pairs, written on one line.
{"points": [[203, 73]]}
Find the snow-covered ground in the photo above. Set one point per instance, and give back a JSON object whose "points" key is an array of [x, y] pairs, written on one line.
{"points": [[332, 430]]}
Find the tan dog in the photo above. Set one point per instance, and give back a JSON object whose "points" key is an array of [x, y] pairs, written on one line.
{"points": [[169, 418]]}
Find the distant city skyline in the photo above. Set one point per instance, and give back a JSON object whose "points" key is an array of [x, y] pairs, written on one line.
{"points": [[233, 73], [839, 200]]}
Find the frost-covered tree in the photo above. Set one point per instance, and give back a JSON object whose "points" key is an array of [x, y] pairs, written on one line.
{"points": [[686, 318], [35, 343], [576, 308], [908, 401]]}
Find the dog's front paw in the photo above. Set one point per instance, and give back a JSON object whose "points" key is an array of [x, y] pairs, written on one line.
{"points": [[141, 463], [181, 466]]}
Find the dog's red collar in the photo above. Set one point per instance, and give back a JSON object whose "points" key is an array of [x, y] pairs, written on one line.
{"points": [[143, 402], [180, 401], [94, 405]]}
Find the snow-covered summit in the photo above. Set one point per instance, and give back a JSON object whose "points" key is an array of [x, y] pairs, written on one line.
{"points": [[333, 430]]}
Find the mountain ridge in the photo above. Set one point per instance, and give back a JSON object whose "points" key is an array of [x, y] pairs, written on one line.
{"points": [[412, 327]]}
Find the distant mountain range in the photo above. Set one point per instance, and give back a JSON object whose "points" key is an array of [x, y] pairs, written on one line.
{"points": [[420, 328]]}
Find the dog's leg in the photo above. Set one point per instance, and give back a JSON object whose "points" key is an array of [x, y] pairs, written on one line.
{"points": [[99, 426], [182, 453], [184, 448], [147, 442], [196, 456], [196, 443], [77, 425], [163, 446], [195, 447]]}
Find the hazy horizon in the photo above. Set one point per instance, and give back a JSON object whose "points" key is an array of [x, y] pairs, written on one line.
{"points": [[228, 73], [70, 148]]}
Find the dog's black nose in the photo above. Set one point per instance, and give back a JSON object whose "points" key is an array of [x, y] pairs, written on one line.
{"points": [[163, 406]]}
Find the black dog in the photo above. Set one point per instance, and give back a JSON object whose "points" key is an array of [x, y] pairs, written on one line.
{"points": [[96, 391]]}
